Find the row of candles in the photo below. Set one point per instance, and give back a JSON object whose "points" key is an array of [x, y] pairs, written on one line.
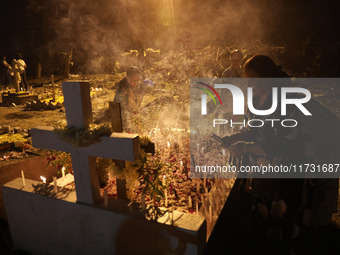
{"points": [[44, 179]]}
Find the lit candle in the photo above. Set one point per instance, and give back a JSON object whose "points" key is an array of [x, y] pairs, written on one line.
{"points": [[190, 202], [23, 178], [43, 179], [181, 166], [169, 148], [163, 181], [63, 172], [55, 184], [196, 208], [105, 198], [210, 213]]}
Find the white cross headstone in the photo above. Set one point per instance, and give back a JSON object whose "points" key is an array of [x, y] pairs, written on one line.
{"points": [[78, 110]]}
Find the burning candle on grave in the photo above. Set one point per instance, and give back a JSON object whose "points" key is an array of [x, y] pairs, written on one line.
{"points": [[190, 202], [105, 198], [43, 179], [163, 181], [181, 166], [55, 183], [23, 178], [169, 148], [63, 172]]}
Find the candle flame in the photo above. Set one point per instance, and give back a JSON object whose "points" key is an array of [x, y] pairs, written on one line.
{"points": [[168, 144], [43, 179], [181, 163]]}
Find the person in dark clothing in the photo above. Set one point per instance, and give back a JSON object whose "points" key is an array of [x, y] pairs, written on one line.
{"points": [[235, 69], [262, 211], [129, 94]]}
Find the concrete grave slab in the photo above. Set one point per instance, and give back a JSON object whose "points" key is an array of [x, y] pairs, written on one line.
{"points": [[42, 222]]}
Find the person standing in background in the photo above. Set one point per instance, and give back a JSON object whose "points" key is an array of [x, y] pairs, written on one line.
{"points": [[22, 66]]}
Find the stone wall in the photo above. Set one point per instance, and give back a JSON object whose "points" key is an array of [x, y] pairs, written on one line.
{"points": [[42, 222]]}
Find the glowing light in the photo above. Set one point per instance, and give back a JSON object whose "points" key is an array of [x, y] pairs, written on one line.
{"points": [[43, 179], [63, 172]]}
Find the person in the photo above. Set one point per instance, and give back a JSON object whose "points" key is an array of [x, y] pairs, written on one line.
{"points": [[15, 71], [67, 63], [22, 66], [129, 93], [235, 69], [263, 210]]}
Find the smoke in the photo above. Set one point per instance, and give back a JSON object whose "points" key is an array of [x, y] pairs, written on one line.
{"points": [[100, 31]]}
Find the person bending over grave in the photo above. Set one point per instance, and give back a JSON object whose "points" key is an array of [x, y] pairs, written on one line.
{"points": [[129, 93], [235, 69], [274, 202]]}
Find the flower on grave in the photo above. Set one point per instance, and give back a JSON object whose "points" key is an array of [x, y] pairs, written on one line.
{"points": [[59, 160]]}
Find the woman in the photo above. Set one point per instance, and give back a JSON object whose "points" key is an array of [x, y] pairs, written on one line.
{"points": [[263, 211]]}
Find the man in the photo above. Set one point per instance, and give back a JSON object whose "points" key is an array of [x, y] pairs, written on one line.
{"points": [[235, 68], [129, 94], [22, 66]]}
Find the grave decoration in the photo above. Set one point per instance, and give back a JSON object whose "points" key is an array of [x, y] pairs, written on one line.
{"points": [[48, 218]]}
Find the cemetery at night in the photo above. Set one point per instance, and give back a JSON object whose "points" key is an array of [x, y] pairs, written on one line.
{"points": [[169, 127]]}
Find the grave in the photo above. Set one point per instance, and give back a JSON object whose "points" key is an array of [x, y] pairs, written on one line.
{"points": [[17, 97], [43, 221]]}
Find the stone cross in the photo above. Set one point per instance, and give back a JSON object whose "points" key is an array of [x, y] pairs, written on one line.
{"points": [[119, 146]]}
